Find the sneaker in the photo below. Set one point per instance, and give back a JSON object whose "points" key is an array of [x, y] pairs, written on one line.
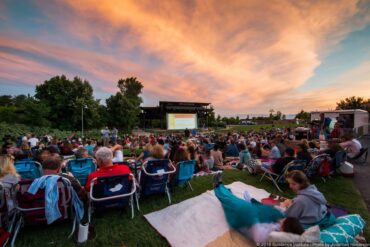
{"points": [[217, 179]]}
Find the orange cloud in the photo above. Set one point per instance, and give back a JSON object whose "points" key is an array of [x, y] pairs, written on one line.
{"points": [[245, 56]]}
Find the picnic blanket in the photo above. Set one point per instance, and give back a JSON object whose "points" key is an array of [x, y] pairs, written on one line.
{"points": [[200, 221]]}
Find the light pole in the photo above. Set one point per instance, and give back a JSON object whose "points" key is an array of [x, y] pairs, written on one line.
{"points": [[82, 121]]}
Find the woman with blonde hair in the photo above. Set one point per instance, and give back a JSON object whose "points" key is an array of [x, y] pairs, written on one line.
{"points": [[157, 152], [8, 177], [145, 153]]}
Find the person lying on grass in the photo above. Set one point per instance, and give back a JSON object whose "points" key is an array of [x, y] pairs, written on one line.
{"points": [[251, 218]]}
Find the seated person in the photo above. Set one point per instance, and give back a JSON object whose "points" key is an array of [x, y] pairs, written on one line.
{"points": [[279, 165], [208, 160], [332, 150], [303, 154], [312, 149], [274, 152], [217, 158], [104, 158], [52, 166], [145, 153], [117, 153], [8, 177], [351, 145], [309, 206], [231, 149], [244, 155], [82, 153], [157, 153]]}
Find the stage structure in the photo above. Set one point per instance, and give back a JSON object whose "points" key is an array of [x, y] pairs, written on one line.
{"points": [[175, 115]]}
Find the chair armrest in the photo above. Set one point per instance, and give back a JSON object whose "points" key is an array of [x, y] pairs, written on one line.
{"points": [[133, 190], [158, 174], [268, 171]]}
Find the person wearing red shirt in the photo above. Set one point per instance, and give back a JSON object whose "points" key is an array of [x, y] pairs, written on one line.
{"points": [[104, 158]]}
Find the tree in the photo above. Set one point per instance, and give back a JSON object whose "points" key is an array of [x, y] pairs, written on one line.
{"points": [[353, 103], [271, 111], [131, 88], [211, 116], [66, 99], [306, 116], [8, 114], [6, 100], [34, 113], [278, 115], [123, 108]]}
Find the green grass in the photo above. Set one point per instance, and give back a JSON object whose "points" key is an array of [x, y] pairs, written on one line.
{"points": [[116, 228], [245, 128]]}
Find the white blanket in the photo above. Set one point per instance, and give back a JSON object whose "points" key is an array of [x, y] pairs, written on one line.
{"points": [[199, 220]]}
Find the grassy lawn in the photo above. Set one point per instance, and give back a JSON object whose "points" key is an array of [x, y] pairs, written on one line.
{"points": [[117, 229]]}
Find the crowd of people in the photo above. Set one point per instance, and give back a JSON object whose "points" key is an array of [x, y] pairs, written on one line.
{"points": [[212, 152]]}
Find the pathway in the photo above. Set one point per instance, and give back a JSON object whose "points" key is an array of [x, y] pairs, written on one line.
{"points": [[362, 175]]}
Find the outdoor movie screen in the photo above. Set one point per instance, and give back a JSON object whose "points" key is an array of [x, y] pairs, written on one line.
{"points": [[179, 121]]}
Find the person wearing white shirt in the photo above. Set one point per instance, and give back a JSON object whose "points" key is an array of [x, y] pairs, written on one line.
{"points": [[33, 141]]}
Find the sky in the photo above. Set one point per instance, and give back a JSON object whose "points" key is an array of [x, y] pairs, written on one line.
{"points": [[244, 57]]}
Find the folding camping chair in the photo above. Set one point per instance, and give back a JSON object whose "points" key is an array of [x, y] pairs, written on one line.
{"points": [[313, 168], [28, 169], [31, 208], [112, 192], [185, 172], [280, 178], [81, 168], [7, 215], [154, 177], [361, 157]]}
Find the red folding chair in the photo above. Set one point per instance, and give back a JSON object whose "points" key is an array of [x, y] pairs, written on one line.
{"points": [[31, 208]]}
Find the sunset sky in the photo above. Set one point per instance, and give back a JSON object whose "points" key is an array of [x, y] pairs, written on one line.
{"points": [[242, 56]]}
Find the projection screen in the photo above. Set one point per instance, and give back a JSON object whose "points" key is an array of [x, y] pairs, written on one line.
{"points": [[179, 121]]}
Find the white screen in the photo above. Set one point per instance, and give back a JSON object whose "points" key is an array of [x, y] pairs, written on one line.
{"points": [[178, 121]]}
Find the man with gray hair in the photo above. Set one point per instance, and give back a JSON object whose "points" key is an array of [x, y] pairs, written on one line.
{"points": [[106, 167]]}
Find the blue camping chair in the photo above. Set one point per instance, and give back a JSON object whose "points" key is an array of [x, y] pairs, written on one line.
{"points": [[81, 168], [112, 192], [185, 172], [28, 169], [155, 176]]}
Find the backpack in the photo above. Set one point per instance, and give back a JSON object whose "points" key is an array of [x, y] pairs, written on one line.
{"points": [[324, 168]]}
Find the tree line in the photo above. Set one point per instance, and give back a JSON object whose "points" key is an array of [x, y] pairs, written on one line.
{"points": [[60, 102]]}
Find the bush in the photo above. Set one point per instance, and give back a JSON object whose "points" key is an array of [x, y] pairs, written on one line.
{"points": [[16, 130]]}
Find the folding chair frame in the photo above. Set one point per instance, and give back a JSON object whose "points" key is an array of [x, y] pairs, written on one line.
{"points": [[66, 200], [193, 162], [360, 158], [68, 167], [37, 164], [274, 177], [9, 217], [167, 191], [92, 199]]}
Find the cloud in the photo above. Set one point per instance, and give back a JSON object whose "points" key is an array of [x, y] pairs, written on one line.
{"points": [[245, 56]]}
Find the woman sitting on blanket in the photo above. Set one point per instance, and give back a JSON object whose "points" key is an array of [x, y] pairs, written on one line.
{"points": [[252, 218], [309, 206]]}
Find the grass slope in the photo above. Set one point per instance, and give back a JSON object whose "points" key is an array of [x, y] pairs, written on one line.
{"points": [[116, 228]]}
